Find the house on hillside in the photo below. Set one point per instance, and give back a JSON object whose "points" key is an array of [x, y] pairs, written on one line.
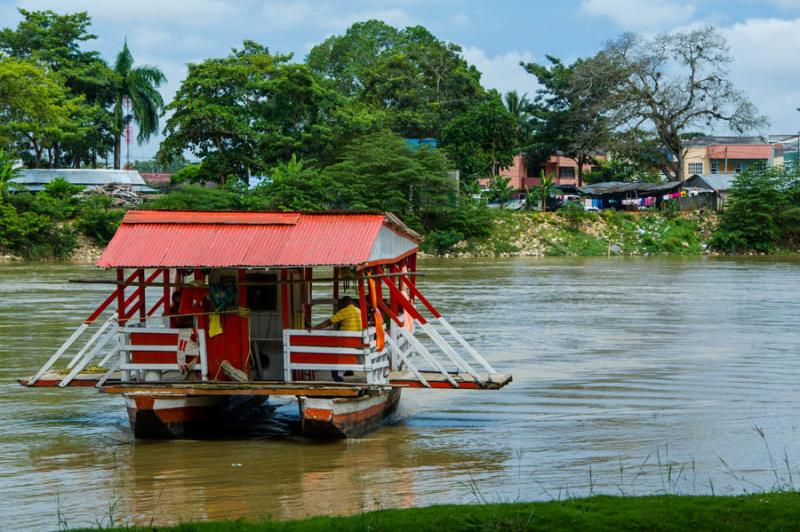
{"points": [[726, 155], [523, 176], [35, 179], [785, 151]]}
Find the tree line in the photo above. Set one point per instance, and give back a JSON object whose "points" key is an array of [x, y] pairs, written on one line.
{"points": [[332, 131]]}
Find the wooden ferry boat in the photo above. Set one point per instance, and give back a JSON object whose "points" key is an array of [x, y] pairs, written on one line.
{"points": [[211, 313]]}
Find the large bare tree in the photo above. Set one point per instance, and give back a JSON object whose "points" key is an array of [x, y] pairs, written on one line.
{"points": [[672, 84]]}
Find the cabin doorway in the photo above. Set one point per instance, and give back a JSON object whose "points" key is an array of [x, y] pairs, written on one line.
{"points": [[266, 329]]}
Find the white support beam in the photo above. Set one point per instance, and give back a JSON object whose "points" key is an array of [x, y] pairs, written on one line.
{"points": [[57, 354], [86, 359], [411, 367], [449, 351], [92, 340], [472, 351], [423, 351]]}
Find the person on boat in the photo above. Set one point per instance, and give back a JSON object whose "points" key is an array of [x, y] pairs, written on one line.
{"points": [[176, 320], [348, 318]]}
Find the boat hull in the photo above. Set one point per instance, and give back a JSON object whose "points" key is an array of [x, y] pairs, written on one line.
{"points": [[346, 417], [184, 416]]}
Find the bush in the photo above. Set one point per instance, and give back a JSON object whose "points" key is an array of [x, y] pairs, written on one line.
{"points": [[440, 242], [574, 215], [33, 236], [196, 198], [761, 214], [98, 220]]}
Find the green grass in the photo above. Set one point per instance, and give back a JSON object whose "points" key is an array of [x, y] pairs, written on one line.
{"points": [[769, 511]]}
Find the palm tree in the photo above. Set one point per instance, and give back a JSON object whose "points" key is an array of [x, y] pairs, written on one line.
{"points": [[519, 106], [546, 185], [8, 171], [137, 89]]}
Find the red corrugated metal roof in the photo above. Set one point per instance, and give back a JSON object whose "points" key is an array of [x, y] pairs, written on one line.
{"points": [[194, 217], [223, 239], [739, 151]]}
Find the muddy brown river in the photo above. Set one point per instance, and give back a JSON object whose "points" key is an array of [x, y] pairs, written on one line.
{"points": [[631, 376]]}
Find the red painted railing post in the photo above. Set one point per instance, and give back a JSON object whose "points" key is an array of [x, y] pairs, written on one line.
{"points": [[121, 295], [142, 306]]}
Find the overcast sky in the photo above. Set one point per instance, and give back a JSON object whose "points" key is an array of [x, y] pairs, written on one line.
{"points": [[764, 35]]}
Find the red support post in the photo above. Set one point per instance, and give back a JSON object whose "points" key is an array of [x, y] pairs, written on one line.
{"points": [[411, 266], [335, 289], [405, 303], [166, 296], [309, 276], [121, 295], [142, 304]]}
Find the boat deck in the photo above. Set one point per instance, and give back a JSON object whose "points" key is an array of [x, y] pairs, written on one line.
{"points": [[397, 379]]}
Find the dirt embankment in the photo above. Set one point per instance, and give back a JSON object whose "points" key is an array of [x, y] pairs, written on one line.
{"points": [[535, 234]]}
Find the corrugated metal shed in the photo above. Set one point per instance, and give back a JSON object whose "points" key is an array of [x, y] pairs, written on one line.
{"points": [[35, 179], [717, 182], [252, 240], [617, 187]]}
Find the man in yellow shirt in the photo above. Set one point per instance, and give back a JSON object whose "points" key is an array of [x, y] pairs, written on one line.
{"points": [[348, 318]]}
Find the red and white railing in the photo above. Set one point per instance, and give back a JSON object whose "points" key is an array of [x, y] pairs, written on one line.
{"points": [[317, 350], [146, 352]]}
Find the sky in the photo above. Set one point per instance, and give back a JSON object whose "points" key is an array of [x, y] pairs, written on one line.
{"points": [[764, 35]]}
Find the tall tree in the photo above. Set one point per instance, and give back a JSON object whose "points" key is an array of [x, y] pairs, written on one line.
{"points": [[55, 42], [138, 88], [36, 110], [244, 113], [344, 60], [419, 82], [482, 139], [673, 83], [568, 113]]}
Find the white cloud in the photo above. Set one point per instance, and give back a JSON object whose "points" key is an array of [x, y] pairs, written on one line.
{"points": [[337, 22], [766, 66], [503, 72], [640, 15]]}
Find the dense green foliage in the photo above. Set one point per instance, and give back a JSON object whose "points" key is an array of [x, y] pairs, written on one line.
{"points": [[759, 511], [75, 83], [762, 213], [567, 113], [46, 224], [246, 112]]}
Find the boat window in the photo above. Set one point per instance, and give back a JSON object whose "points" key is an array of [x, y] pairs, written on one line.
{"points": [[262, 297]]}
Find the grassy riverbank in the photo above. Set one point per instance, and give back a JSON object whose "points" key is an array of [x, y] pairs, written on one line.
{"points": [[573, 232], [770, 511]]}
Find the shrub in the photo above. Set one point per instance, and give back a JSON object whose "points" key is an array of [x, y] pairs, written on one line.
{"points": [[195, 198], [440, 242], [98, 220], [761, 213]]}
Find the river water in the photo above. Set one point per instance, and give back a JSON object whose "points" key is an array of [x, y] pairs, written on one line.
{"points": [[631, 376]]}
